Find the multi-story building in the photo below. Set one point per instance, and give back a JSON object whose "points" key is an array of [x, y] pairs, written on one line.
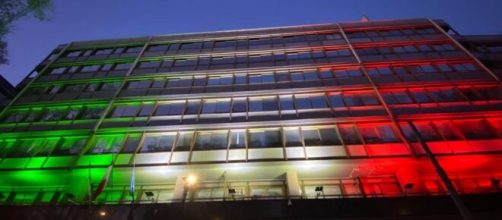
{"points": [[275, 123], [7, 92]]}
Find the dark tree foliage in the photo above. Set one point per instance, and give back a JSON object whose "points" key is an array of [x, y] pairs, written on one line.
{"points": [[12, 10]]}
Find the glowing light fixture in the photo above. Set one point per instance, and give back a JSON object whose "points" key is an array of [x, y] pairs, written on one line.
{"points": [[191, 180], [102, 213]]}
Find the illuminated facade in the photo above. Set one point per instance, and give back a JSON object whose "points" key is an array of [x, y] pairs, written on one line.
{"points": [[304, 112]]}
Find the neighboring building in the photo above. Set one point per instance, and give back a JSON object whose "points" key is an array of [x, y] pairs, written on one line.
{"points": [[7, 92], [312, 121], [487, 48]]}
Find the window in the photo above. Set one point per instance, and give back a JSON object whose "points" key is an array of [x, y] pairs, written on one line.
{"points": [[446, 130], [420, 96], [92, 87], [193, 107], [53, 114], [92, 68], [427, 132], [310, 102], [326, 74], [146, 109], [352, 100], [92, 112], [125, 111], [173, 108], [185, 62], [143, 84], [17, 116], [378, 134], [216, 106], [158, 48], [110, 86], [70, 146], [238, 139], [49, 144], [211, 140], [106, 67], [158, 143], [320, 136], [184, 141], [220, 80], [180, 82], [475, 129], [131, 143], [103, 51], [447, 95], [261, 78], [57, 71], [26, 147], [397, 97], [298, 55], [286, 102], [264, 138], [292, 136], [123, 66], [239, 105], [262, 104], [73, 53], [349, 134], [336, 100], [72, 113], [347, 73], [149, 64], [33, 115], [107, 144], [191, 46], [133, 49]]}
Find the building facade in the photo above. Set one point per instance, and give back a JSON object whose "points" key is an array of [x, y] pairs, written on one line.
{"points": [[329, 111], [7, 91]]}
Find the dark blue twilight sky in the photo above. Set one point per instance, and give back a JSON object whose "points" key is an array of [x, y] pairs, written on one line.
{"points": [[75, 20]]}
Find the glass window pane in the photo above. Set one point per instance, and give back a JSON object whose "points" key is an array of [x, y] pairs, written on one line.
{"points": [[193, 107], [211, 140], [475, 129], [158, 143], [292, 136], [336, 100], [445, 128], [184, 141], [237, 139], [286, 102], [311, 136], [107, 144], [329, 136], [262, 139], [239, 105], [427, 132], [146, 110], [174, 108], [370, 135], [131, 143], [349, 134], [70, 146]]}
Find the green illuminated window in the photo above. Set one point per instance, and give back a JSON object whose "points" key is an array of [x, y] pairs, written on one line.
{"points": [[70, 146], [107, 144]]}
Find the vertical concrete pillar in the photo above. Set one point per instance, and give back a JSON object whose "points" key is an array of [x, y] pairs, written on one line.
{"points": [[179, 189], [294, 189]]}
